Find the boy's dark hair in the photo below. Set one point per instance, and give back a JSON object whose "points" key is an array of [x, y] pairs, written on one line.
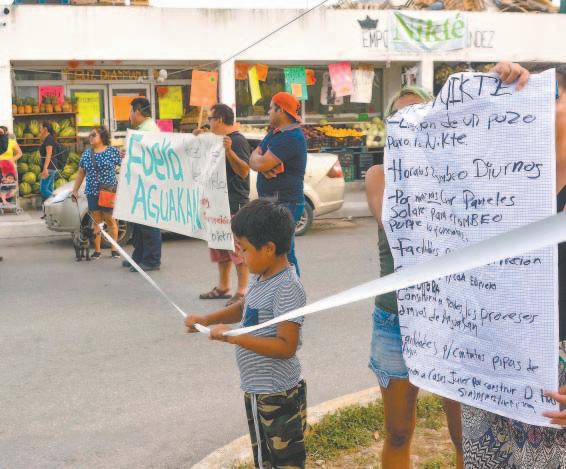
{"points": [[10, 174], [224, 112], [143, 105], [4, 128], [262, 221], [104, 134]]}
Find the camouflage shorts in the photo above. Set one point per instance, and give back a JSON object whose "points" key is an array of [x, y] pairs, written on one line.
{"points": [[282, 421]]}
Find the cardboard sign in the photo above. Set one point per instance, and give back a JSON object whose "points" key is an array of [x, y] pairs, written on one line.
{"points": [[170, 102], [204, 88], [165, 125], [57, 91], [176, 182], [254, 85], [88, 103], [341, 78], [296, 82], [122, 106]]}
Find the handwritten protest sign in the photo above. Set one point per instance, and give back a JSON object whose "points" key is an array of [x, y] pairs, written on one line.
{"points": [[176, 182], [477, 162]]}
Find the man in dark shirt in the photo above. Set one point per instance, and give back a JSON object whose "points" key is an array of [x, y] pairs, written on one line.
{"points": [[237, 151], [281, 160]]}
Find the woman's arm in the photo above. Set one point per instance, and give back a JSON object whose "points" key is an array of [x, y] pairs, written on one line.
{"points": [[17, 151], [48, 154], [78, 181], [375, 188]]}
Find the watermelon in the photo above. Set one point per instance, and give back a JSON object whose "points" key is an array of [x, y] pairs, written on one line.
{"points": [[34, 127], [35, 169], [35, 188], [67, 132], [74, 158], [74, 176], [65, 123], [35, 158], [29, 177], [23, 168], [69, 170], [25, 188], [60, 182]]}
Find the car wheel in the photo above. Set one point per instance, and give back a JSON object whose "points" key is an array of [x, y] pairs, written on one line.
{"points": [[125, 230], [305, 222]]}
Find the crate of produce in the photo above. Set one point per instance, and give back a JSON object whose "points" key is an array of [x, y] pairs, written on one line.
{"points": [[349, 173], [346, 158], [364, 161]]}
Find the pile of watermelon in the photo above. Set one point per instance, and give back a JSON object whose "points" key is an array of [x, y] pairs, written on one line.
{"points": [[29, 172]]}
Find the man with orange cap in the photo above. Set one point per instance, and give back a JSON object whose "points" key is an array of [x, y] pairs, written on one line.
{"points": [[281, 159]]}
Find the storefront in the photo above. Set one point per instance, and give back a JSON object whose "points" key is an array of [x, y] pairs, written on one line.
{"points": [[155, 52]]}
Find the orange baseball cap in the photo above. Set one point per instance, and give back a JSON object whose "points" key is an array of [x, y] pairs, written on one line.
{"points": [[288, 103]]}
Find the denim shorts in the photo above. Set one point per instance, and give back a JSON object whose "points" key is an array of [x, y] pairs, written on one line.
{"points": [[93, 204], [386, 358]]}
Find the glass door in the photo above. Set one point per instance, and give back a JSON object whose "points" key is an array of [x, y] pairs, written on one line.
{"points": [[120, 98], [92, 106]]}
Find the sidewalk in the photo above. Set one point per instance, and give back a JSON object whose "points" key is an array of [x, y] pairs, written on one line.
{"points": [[27, 225], [30, 225]]}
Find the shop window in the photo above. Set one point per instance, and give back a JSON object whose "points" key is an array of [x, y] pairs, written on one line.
{"points": [[32, 75], [313, 108], [23, 92], [171, 105]]}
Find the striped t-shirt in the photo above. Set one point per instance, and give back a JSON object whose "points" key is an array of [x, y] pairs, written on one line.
{"points": [[265, 300]]}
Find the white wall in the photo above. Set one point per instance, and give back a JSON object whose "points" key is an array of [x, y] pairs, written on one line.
{"points": [[53, 33]]}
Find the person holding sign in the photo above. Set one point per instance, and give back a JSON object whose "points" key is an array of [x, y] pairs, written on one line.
{"points": [[146, 239], [386, 359], [492, 441], [281, 160], [237, 151]]}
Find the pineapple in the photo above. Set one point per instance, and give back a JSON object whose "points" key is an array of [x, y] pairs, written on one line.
{"points": [[48, 104], [67, 106], [21, 106], [14, 106]]}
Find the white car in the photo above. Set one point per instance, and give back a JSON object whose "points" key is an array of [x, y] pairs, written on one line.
{"points": [[324, 193]]}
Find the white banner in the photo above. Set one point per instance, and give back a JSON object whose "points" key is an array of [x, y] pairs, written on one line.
{"points": [[176, 182], [441, 32], [477, 162]]}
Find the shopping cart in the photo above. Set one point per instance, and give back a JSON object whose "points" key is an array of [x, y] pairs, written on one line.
{"points": [[9, 192]]}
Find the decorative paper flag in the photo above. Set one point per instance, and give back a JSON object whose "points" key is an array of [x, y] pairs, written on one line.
{"points": [[170, 102], [363, 85], [254, 85], [241, 71], [165, 125], [327, 93], [262, 71], [341, 78], [204, 88], [88, 103], [311, 79], [122, 106], [57, 91], [296, 82]]}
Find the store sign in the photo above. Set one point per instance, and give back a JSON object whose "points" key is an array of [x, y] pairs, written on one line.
{"points": [[104, 75], [52, 91], [176, 182], [415, 34]]}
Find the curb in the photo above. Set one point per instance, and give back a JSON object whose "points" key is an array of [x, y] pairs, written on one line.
{"points": [[240, 449]]}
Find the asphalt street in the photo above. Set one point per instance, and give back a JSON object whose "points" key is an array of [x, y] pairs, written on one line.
{"points": [[97, 371]]}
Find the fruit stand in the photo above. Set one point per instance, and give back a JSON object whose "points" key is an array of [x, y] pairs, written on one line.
{"points": [[358, 145], [28, 118]]}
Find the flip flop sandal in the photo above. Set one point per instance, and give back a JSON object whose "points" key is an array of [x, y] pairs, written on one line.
{"points": [[215, 294], [234, 299]]}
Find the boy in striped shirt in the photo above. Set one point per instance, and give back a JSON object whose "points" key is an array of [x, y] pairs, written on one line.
{"points": [[270, 372]]}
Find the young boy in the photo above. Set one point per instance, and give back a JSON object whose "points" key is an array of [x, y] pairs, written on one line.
{"points": [[8, 188], [270, 372]]}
